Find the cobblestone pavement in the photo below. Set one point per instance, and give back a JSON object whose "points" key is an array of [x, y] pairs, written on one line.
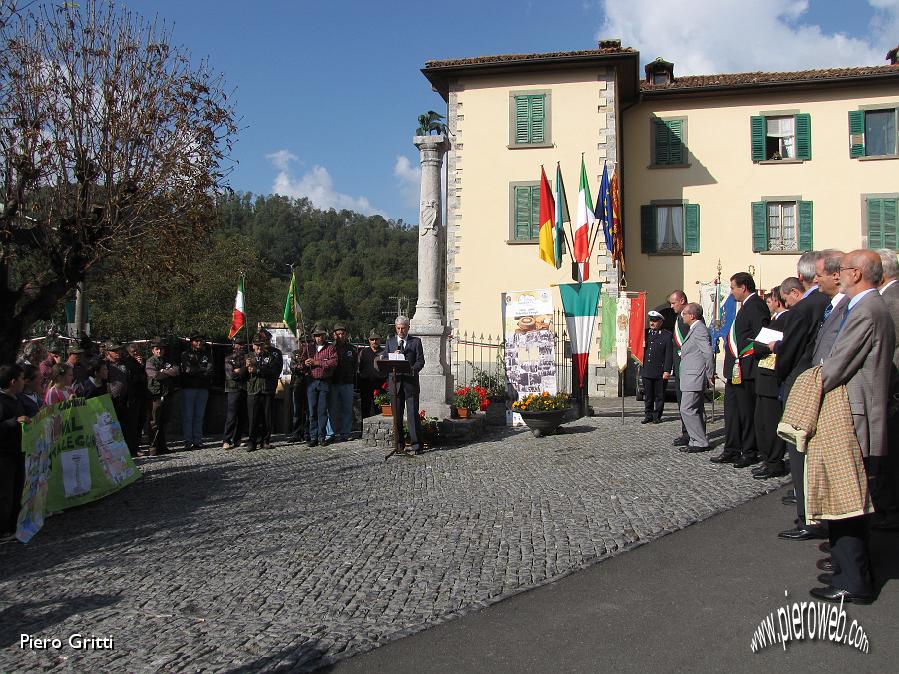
{"points": [[288, 559]]}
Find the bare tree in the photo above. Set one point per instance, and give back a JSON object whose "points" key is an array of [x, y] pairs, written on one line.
{"points": [[109, 138]]}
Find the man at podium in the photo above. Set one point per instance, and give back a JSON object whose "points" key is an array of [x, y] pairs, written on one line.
{"points": [[407, 390]]}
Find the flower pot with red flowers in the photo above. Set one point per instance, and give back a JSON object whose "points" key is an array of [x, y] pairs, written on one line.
{"points": [[382, 400], [468, 400]]}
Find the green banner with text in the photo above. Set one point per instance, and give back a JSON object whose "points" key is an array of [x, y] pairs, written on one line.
{"points": [[74, 454]]}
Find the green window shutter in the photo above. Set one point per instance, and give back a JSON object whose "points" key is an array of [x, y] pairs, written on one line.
{"points": [[537, 117], [757, 126], [875, 223], [805, 235], [522, 121], [522, 213], [890, 226], [691, 228], [675, 141], [535, 212], [803, 136], [661, 143], [647, 229], [759, 226], [856, 133]]}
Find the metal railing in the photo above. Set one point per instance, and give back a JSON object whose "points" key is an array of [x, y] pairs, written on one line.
{"points": [[470, 351]]}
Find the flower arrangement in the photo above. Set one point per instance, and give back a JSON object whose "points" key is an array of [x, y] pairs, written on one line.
{"points": [[472, 398], [381, 397], [542, 402], [430, 430], [494, 383]]}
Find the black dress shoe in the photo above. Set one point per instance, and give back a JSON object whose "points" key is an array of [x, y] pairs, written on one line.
{"points": [[759, 469], [826, 565], [313, 443], [767, 474], [727, 456], [646, 421], [746, 460], [836, 595], [825, 578], [251, 447], [802, 534], [682, 441], [696, 449], [657, 421]]}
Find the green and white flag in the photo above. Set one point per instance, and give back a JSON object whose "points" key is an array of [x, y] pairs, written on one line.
{"points": [[292, 311]]}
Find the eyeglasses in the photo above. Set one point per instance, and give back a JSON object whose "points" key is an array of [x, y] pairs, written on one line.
{"points": [[842, 269]]}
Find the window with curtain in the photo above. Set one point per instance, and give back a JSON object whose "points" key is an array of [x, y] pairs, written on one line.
{"points": [[670, 228], [782, 226], [880, 132], [780, 137]]}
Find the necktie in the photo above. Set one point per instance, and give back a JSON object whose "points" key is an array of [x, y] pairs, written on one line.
{"points": [[843, 320], [400, 345], [827, 311]]}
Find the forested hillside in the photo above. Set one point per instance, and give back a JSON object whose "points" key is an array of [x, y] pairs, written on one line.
{"points": [[348, 268]]}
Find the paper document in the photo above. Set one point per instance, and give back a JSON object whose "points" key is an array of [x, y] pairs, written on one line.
{"points": [[766, 336], [395, 356]]}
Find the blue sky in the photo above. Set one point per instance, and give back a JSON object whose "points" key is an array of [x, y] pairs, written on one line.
{"points": [[328, 92]]}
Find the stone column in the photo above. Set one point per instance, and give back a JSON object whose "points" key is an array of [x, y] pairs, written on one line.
{"points": [[429, 320]]}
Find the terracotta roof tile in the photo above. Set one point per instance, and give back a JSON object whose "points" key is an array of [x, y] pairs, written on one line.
{"points": [[506, 58], [743, 79]]}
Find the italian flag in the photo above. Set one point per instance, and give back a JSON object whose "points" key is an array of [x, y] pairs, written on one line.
{"points": [[580, 302], [238, 317], [580, 269]]}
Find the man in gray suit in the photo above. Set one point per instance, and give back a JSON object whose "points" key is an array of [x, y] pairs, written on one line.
{"points": [[696, 371], [861, 360], [887, 492]]}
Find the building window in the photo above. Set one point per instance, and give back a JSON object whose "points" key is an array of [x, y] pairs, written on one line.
{"points": [[881, 222], [529, 119], [669, 228], [873, 133], [525, 209], [781, 226], [777, 137], [669, 142]]}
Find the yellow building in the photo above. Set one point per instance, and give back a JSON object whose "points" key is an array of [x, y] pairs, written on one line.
{"points": [[749, 169]]}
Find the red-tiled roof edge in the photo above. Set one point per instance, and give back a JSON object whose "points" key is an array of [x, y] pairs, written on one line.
{"points": [[726, 80], [508, 58]]}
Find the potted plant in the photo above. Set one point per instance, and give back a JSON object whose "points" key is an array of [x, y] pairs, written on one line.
{"points": [[430, 430], [494, 385], [467, 401], [382, 400], [543, 413]]}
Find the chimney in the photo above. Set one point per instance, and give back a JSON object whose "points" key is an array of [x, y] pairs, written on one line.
{"points": [[659, 71], [893, 56], [610, 44]]}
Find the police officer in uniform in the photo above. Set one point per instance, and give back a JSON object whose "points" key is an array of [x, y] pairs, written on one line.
{"points": [[162, 377], [236, 393], [657, 363], [263, 369]]}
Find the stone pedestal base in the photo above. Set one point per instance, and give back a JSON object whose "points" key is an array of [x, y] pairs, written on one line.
{"points": [[377, 431], [435, 380]]}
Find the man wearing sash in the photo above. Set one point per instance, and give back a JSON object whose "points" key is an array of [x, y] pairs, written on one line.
{"points": [[739, 371], [677, 300]]}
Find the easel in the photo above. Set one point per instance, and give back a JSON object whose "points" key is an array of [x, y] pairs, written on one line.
{"points": [[390, 369]]}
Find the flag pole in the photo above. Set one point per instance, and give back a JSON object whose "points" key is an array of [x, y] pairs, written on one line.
{"points": [[567, 244]]}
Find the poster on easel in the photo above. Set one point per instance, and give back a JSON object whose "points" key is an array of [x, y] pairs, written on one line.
{"points": [[530, 344]]}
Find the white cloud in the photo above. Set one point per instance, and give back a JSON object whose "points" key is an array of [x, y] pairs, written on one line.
{"points": [[281, 159], [316, 185], [408, 180], [721, 36]]}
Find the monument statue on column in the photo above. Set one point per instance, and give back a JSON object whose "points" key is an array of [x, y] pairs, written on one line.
{"points": [[429, 320]]}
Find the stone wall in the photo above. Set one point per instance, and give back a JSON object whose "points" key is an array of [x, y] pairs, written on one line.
{"points": [[377, 431]]}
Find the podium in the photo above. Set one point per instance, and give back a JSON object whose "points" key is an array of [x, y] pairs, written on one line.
{"points": [[390, 369]]}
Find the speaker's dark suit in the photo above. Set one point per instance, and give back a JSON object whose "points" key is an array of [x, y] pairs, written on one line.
{"points": [[739, 399], [407, 388], [768, 406]]}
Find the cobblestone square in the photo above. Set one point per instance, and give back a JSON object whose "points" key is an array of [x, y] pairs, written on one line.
{"points": [[290, 558]]}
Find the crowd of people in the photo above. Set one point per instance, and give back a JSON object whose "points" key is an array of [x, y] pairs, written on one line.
{"points": [[836, 321], [324, 376]]}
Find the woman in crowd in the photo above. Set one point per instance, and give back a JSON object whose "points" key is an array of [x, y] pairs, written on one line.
{"points": [[95, 385], [60, 389]]}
